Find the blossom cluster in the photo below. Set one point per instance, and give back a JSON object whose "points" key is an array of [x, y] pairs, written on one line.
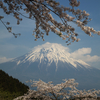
{"points": [[65, 91], [40, 11]]}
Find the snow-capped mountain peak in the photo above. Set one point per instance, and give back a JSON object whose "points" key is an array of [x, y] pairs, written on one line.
{"points": [[51, 52]]}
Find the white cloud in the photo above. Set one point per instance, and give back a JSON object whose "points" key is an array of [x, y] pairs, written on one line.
{"points": [[83, 54], [4, 59], [94, 58]]}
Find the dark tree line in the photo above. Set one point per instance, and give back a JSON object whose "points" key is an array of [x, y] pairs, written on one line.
{"points": [[8, 83]]}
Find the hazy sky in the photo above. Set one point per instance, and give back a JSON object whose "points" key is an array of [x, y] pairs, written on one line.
{"points": [[87, 49]]}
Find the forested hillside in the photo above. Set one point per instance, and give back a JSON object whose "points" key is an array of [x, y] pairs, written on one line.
{"points": [[10, 87]]}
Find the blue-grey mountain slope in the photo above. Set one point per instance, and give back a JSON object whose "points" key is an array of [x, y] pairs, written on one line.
{"points": [[52, 62]]}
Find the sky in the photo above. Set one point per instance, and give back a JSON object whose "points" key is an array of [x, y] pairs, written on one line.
{"points": [[87, 49]]}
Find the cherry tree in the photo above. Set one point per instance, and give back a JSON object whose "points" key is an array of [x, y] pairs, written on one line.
{"points": [[65, 91], [41, 12]]}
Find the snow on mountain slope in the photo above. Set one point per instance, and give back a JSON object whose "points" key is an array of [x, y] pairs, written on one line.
{"points": [[51, 52]]}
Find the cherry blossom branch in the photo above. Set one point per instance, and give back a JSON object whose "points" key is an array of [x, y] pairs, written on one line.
{"points": [[39, 10], [48, 91]]}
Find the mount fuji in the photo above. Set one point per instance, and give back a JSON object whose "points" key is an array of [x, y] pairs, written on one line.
{"points": [[52, 62]]}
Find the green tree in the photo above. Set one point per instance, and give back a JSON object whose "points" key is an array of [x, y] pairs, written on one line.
{"points": [[10, 87]]}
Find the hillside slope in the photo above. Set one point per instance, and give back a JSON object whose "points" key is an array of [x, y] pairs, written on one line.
{"points": [[10, 87]]}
